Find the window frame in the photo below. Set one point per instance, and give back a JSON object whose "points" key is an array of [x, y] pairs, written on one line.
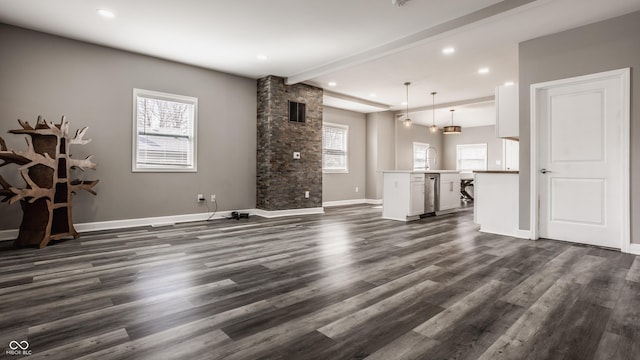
{"points": [[150, 94], [346, 151], [486, 156], [413, 154]]}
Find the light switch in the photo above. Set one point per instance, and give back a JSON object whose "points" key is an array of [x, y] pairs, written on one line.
{"points": [[296, 155]]}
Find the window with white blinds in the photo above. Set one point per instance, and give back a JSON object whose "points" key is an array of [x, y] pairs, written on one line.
{"points": [[471, 157], [334, 148], [420, 156], [164, 131]]}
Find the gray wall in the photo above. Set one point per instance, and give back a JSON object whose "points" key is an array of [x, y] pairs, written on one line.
{"points": [[473, 135], [339, 186], [406, 136], [607, 45], [92, 86], [381, 153]]}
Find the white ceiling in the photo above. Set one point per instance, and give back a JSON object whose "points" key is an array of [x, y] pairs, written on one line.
{"points": [[365, 46]]}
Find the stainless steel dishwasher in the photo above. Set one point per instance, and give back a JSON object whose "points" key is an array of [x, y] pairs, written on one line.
{"points": [[431, 193]]}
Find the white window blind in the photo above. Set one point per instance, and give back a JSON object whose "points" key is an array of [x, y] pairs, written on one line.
{"points": [[420, 156], [164, 134], [471, 157], [334, 148]]}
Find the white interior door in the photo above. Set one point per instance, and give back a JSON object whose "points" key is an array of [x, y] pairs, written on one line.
{"points": [[580, 160]]}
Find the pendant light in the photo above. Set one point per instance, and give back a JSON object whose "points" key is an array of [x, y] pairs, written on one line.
{"points": [[407, 121], [433, 128], [453, 129]]}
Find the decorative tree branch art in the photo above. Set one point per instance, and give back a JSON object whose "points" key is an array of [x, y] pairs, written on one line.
{"points": [[45, 167]]}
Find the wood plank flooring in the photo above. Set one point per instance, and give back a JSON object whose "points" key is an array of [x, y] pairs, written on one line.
{"points": [[343, 285]]}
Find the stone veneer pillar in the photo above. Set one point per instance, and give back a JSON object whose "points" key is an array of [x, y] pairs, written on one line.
{"points": [[281, 179]]}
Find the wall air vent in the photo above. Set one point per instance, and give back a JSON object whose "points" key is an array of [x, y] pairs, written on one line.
{"points": [[297, 112]]}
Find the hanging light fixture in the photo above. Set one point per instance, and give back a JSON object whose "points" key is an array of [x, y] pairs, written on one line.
{"points": [[453, 129], [433, 128], [407, 121]]}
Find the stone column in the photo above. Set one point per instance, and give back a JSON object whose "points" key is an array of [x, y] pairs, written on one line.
{"points": [[282, 180]]}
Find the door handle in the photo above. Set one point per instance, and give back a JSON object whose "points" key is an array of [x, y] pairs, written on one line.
{"points": [[544, 171]]}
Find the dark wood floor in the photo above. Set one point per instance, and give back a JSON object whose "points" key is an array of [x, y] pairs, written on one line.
{"points": [[344, 285]]}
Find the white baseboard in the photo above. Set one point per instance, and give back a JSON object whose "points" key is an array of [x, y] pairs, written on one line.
{"points": [[505, 232], [129, 223], [523, 234], [352, 202], [344, 202], [8, 234], [170, 220], [291, 212], [634, 249]]}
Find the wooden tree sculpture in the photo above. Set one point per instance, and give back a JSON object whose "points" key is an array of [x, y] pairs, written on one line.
{"points": [[45, 167]]}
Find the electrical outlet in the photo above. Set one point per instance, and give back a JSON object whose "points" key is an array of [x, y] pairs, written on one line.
{"points": [[200, 198], [357, 189], [213, 198], [306, 194]]}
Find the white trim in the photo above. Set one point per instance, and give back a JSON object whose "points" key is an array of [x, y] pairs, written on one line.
{"points": [[164, 97], [8, 234], [291, 212], [625, 77], [484, 146], [346, 149], [633, 249], [373, 201], [343, 202], [169, 220], [520, 234], [523, 234], [413, 155]]}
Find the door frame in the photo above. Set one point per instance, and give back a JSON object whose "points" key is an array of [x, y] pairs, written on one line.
{"points": [[624, 75]]}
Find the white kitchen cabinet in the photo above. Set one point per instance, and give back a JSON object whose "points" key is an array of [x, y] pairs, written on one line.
{"points": [[400, 196], [495, 203], [417, 195], [449, 191], [507, 112], [403, 195]]}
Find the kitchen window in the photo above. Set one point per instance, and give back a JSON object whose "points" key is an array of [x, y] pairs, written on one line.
{"points": [[334, 148], [470, 157], [164, 132], [420, 156]]}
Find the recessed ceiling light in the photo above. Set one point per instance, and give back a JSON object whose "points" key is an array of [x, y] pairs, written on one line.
{"points": [[372, 95], [106, 13], [484, 70], [262, 57], [509, 83], [332, 83], [448, 50]]}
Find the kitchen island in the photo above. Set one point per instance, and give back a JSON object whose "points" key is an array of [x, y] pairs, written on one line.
{"points": [[495, 205], [407, 194]]}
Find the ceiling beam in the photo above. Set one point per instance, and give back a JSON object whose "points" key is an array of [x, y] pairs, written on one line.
{"points": [[356, 100], [409, 41]]}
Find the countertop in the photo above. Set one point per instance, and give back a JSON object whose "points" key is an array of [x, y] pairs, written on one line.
{"points": [[496, 172], [422, 172]]}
